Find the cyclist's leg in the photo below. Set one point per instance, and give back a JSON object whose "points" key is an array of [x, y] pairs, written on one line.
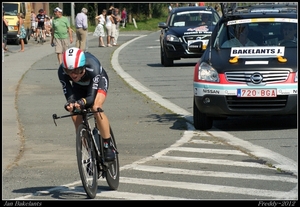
{"points": [[37, 33], [103, 126], [102, 120], [77, 120], [44, 34], [35, 28]]}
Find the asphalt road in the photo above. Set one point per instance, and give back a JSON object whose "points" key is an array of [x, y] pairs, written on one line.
{"points": [[161, 156]]}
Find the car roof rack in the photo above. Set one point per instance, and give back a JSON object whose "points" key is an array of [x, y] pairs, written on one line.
{"points": [[233, 9]]}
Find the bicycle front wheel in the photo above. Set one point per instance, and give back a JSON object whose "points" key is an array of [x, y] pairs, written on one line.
{"points": [[113, 171], [86, 160]]}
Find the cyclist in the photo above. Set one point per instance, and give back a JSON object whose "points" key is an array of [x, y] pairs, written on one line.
{"points": [[40, 18], [85, 84]]}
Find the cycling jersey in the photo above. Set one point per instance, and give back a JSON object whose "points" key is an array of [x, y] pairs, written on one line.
{"points": [[93, 81], [41, 20]]}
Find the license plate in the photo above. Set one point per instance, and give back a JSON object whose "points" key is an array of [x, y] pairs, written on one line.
{"points": [[270, 92], [204, 42]]}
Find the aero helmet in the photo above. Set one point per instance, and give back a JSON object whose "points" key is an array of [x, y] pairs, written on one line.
{"points": [[73, 58], [41, 10]]}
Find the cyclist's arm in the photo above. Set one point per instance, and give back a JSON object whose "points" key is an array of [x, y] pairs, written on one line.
{"points": [[66, 85], [92, 90]]}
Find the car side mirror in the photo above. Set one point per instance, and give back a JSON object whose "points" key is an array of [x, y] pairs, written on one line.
{"points": [[162, 25]]}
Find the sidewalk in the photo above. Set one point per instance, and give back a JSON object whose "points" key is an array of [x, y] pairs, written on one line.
{"points": [[15, 65]]}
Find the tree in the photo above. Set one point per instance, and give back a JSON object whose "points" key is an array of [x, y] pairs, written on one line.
{"points": [[139, 11]]}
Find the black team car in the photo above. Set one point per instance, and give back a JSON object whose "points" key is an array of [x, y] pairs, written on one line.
{"points": [[186, 32], [249, 67]]}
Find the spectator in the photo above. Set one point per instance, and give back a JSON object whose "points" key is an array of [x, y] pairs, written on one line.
{"points": [[33, 24], [81, 29], [48, 26], [60, 31], [5, 30], [124, 17], [117, 23], [170, 7], [241, 37], [99, 31], [218, 9], [110, 27], [21, 30]]}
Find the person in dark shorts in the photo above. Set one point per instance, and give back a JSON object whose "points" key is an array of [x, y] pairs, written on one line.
{"points": [[40, 18], [85, 84]]}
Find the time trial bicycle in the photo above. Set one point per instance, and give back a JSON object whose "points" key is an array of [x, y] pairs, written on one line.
{"points": [[90, 154]]}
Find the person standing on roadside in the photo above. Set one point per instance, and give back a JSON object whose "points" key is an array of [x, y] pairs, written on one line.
{"points": [[81, 29], [110, 28], [218, 9], [21, 30], [5, 30], [99, 30], [117, 23], [48, 26], [124, 17], [33, 24], [170, 7], [61, 30]]}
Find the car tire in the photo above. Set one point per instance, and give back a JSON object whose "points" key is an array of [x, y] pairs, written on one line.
{"points": [[165, 61], [161, 56], [201, 120]]}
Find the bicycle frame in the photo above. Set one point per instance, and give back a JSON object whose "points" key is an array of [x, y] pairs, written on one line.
{"points": [[86, 115]]}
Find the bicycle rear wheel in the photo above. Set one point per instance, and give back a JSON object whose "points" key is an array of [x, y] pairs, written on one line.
{"points": [[86, 160], [113, 171]]}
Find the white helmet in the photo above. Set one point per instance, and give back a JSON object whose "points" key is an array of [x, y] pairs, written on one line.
{"points": [[73, 58]]}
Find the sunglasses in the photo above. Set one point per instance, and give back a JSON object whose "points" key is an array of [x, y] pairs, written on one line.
{"points": [[75, 70]]}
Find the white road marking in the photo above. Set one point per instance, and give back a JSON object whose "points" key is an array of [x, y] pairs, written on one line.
{"points": [[213, 161], [137, 196], [208, 187], [212, 151], [181, 171], [151, 47]]}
